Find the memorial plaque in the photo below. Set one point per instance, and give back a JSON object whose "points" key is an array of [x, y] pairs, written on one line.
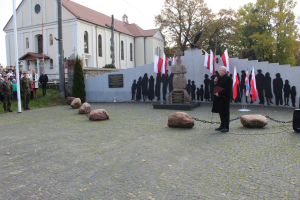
{"points": [[115, 81], [178, 97]]}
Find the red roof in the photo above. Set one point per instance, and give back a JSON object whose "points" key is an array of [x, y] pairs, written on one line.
{"points": [[92, 16], [33, 56]]}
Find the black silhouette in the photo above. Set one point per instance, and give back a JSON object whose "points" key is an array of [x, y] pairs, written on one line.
{"points": [[260, 86], [193, 90], [145, 86], [165, 82], [268, 88], [277, 89], [201, 92], [151, 89], [197, 37], [188, 87], [242, 85], [293, 95], [157, 87], [206, 85], [133, 89], [198, 94], [231, 95], [171, 82], [238, 96], [139, 89], [287, 92], [212, 86]]}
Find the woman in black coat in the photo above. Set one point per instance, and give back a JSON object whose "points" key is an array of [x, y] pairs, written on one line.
{"points": [[221, 102]]}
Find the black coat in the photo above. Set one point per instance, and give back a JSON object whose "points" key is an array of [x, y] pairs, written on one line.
{"points": [[221, 104], [43, 78]]}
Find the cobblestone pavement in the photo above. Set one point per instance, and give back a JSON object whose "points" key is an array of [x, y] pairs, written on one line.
{"points": [[55, 153]]}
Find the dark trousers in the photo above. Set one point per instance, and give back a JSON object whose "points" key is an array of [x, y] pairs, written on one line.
{"points": [[6, 102], [224, 120], [26, 99], [44, 89], [15, 95]]}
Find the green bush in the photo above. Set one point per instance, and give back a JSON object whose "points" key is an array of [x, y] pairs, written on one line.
{"points": [[78, 89], [109, 66]]}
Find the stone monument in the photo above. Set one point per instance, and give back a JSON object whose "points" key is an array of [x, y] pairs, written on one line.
{"points": [[179, 93]]}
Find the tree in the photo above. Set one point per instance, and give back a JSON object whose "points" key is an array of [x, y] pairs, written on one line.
{"points": [[78, 89]]}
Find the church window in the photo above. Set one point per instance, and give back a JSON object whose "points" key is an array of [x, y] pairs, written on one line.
{"points": [[86, 42], [99, 45], [131, 52], [27, 43], [37, 8], [51, 39], [122, 50], [51, 63]]}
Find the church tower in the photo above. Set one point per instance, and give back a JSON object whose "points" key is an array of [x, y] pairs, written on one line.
{"points": [[125, 18]]}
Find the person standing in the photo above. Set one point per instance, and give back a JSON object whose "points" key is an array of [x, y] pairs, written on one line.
{"points": [[221, 101], [43, 80], [25, 84], [6, 91], [14, 85], [35, 78]]}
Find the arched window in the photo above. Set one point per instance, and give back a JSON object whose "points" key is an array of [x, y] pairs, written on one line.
{"points": [[99, 45], [51, 63], [27, 43], [131, 52], [122, 50], [86, 42], [51, 39]]}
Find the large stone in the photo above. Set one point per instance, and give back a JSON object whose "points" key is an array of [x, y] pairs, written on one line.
{"points": [[254, 121], [180, 120], [76, 103], [85, 108], [99, 114], [70, 99]]}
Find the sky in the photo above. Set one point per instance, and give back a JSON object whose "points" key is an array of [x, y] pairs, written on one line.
{"points": [[140, 12]]}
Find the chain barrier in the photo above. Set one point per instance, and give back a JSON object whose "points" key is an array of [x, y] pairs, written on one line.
{"points": [[212, 122]]}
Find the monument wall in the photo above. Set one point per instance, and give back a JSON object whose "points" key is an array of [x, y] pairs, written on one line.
{"points": [[270, 78]]}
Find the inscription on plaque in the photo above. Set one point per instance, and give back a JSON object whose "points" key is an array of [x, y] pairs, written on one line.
{"points": [[115, 81], [178, 97]]}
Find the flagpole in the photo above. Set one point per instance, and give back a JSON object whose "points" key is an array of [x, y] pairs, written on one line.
{"points": [[16, 57]]}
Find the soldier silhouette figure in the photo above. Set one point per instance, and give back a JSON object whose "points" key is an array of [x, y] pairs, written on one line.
{"points": [[287, 92], [260, 86], [139, 89], [206, 91], [277, 89], [133, 89], [293, 95], [145, 86], [193, 90], [268, 88], [151, 88]]}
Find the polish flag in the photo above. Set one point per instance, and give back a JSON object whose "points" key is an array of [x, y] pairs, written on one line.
{"points": [[235, 84], [174, 60], [157, 64], [164, 65], [225, 59], [212, 63], [253, 85], [247, 84], [206, 63]]}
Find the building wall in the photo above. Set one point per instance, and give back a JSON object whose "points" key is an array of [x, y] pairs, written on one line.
{"points": [[140, 51]]}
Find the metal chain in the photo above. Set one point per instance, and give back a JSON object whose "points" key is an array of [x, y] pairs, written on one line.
{"points": [[212, 122]]}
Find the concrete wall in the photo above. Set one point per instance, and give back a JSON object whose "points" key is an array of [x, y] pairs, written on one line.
{"points": [[97, 89]]}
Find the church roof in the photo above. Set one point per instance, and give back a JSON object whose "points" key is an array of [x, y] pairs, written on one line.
{"points": [[92, 16], [33, 56], [87, 14]]}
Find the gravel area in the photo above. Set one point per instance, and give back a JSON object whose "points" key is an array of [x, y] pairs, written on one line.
{"points": [[55, 153]]}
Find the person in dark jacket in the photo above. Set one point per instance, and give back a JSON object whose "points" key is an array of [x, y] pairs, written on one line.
{"points": [[43, 80], [221, 102]]}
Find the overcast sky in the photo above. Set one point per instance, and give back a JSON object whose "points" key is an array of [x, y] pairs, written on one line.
{"points": [[140, 12]]}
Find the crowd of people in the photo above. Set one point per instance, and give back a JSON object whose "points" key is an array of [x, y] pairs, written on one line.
{"points": [[29, 83]]}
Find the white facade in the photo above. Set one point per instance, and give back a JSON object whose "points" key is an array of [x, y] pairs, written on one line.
{"points": [[136, 50]]}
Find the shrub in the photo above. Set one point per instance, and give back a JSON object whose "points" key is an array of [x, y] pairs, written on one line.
{"points": [[78, 89], [109, 66]]}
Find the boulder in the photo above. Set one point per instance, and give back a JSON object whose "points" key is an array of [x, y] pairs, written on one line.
{"points": [[85, 108], [254, 121], [76, 103], [70, 99], [180, 120], [99, 114]]}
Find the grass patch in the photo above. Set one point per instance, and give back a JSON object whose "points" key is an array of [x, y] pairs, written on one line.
{"points": [[51, 99]]}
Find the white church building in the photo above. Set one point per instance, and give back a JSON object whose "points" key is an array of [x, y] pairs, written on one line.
{"points": [[84, 33]]}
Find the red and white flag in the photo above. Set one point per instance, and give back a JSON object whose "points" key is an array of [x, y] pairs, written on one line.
{"points": [[164, 65], [253, 85], [225, 59], [235, 84], [206, 63], [247, 84], [157, 64], [212, 63]]}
